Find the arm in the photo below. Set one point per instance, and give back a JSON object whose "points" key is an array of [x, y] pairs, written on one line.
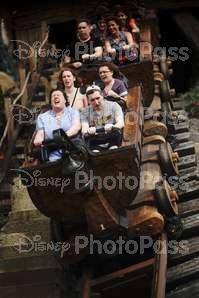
{"points": [[85, 127], [97, 54], [131, 42], [116, 95], [119, 117], [120, 91], [75, 125], [108, 47], [39, 138], [85, 101]]}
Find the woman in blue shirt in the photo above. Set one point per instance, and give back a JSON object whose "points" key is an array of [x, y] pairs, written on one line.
{"points": [[61, 115]]}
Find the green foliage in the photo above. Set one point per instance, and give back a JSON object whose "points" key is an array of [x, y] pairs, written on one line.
{"points": [[191, 100]]}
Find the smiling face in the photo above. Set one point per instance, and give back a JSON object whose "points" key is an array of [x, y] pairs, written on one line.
{"points": [[68, 79], [83, 30], [113, 27], [96, 100], [58, 101], [122, 17], [105, 74], [102, 25]]}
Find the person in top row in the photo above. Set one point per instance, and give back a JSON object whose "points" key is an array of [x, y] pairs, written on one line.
{"points": [[126, 23], [120, 44], [85, 47]]}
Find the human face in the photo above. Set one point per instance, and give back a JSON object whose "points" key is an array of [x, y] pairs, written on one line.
{"points": [[68, 78], [83, 30], [57, 100], [96, 100], [105, 74], [102, 25], [113, 27], [122, 17]]}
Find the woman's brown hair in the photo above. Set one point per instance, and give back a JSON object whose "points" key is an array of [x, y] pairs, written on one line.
{"points": [[112, 67], [60, 84]]}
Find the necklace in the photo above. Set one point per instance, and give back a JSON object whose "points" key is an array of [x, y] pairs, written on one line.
{"points": [[84, 40]]}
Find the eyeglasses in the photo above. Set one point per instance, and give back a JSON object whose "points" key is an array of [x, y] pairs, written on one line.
{"points": [[105, 71]]}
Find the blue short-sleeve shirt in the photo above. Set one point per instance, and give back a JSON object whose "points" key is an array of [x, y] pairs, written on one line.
{"points": [[48, 122]]}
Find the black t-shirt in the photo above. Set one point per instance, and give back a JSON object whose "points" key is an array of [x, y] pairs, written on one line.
{"points": [[78, 48]]}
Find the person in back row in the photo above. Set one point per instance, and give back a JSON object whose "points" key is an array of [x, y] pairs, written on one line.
{"points": [[86, 48], [101, 114], [119, 44]]}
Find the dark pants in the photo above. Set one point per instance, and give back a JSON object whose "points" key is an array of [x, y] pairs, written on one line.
{"points": [[113, 137]]}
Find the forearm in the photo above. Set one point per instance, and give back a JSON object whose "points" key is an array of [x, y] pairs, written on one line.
{"points": [[97, 54], [119, 124], [74, 130], [85, 127], [39, 138]]}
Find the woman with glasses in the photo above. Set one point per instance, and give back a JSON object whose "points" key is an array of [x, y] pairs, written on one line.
{"points": [[112, 88]]}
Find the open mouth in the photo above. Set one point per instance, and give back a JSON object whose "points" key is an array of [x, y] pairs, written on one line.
{"points": [[56, 101]]}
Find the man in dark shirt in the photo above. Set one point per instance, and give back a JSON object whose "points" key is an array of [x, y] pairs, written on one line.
{"points": [[85, 48]]}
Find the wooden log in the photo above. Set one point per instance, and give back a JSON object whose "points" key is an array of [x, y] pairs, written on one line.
{"points": [[145, 220], [154, 128], [189, 25], [155, 139], [144, 207], [160, 270], [22, 78], [85, 287], [9, 116], [144, 217]]}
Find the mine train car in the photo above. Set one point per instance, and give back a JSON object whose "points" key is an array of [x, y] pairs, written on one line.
{"points": [[82, 203]]}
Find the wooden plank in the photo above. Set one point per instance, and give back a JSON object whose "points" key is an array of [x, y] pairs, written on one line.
{"points": [[122, 274], [189, 190], [191, 225], [183, 272], [187, 161], [85, 287], [9, 116], [160, 271], [186, 290], [22, 78], [190, 26], [189, 208], [184, 251], [171, 4]]}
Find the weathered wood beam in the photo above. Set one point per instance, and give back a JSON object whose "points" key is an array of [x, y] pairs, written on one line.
{"points": [[190, 26], [171, 4]]}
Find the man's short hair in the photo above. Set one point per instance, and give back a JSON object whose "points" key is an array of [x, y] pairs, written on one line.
{"points": [[87, 21], [92, 89]]}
